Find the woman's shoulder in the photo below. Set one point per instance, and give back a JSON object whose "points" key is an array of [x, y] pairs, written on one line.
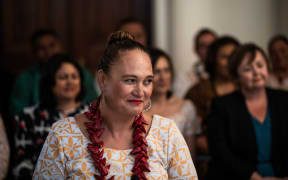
{"points": [[230, 96], [277, 92], [65, 126], [276, 96], [174, 99], [178, 102], [187, 107], [162, 125], [83, 107], [188, 104], [165, 133], [229, 101]]}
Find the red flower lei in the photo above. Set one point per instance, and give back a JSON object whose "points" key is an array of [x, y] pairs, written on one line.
{"points": [[96, 146]]}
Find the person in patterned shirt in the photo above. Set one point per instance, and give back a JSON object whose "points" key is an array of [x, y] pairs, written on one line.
{"points": [[100, 144], [61, 95]]}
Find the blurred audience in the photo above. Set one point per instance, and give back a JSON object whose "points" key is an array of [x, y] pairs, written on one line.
{"points": [[278, 52], [204, 38], [202, 41], [4, 151], [61, 95], [135, 27], [45, 43], [166, 104], [218, 84], [248, 129]]}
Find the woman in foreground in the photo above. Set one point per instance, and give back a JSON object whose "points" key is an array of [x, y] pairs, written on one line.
{"points": [[114, 140]]}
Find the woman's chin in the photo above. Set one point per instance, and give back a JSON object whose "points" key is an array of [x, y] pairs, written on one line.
{"points": [[134, 112]]}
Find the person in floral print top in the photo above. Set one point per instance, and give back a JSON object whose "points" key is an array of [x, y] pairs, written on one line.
{"points": [[61, 95]]}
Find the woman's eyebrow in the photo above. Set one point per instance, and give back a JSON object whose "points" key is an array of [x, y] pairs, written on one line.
{"points": [[129, 76]]}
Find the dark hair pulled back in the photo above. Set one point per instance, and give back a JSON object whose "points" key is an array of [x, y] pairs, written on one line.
{"points": [[117, 42]]}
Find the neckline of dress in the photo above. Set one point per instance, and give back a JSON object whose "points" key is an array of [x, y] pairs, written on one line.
{"points": [[154, 118]]}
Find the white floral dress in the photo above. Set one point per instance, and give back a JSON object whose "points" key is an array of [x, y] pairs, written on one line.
{"points": [[186, 120], [65, 156]]}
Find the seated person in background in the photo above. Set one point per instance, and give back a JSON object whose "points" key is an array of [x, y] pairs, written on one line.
{"points": [[135, 27], [4, 151], [248, 129], [278, 52], [166, 104], [218, 84], [45, 43], [114, 140], [61, 95], [203, 39]]}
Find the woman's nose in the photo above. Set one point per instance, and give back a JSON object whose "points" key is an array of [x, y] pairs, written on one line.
{"points": [[139, 91], [69, 80], [255, 71]]}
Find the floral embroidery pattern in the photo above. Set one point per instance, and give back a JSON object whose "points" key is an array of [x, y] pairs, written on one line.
{"points": [[169, 157]]}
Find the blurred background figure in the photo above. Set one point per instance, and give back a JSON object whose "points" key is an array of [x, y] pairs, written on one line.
{"points": [[166, 104], [278, 53], [203, 39], [4, 151], [135, 27], [248, 129], [218, 84], [45, 43], [61, 95]]}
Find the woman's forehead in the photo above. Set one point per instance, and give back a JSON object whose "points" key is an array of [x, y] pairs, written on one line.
{"points": [[248, 59], [132, 61]]}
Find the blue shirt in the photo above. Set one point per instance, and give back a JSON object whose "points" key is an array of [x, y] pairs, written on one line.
{"points": [[264, 144]]}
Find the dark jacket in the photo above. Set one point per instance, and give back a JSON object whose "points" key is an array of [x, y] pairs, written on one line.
{"points": [[232, 140]]}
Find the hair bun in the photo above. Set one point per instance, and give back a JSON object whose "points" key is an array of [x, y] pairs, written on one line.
{"points": [[119, 36]]}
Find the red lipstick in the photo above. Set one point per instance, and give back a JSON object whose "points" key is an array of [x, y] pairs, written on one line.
{"points": [[137, 102]]}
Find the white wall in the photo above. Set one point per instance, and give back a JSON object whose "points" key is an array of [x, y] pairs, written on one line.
{"points": [[248, 20]]}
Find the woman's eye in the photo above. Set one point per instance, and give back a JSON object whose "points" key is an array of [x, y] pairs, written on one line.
{"points": [[156, 72], [148, 81], [75, 76], [167, 70], [62, 77], [259, 65], [129, 81]]}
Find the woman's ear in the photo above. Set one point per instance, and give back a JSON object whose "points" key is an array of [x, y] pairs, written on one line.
{"points": [[101, 78]]}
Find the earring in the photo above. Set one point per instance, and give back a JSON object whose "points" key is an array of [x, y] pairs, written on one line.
{"points": [[148, 106]]}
